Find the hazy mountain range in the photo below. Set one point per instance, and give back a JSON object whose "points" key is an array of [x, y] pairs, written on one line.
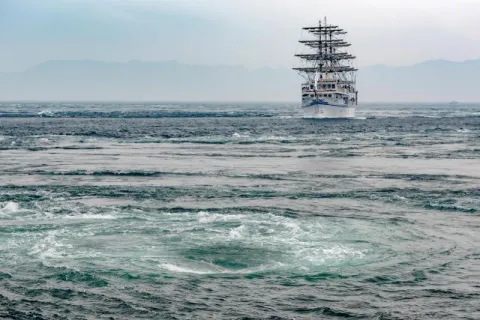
{"points": [[436, 80]]}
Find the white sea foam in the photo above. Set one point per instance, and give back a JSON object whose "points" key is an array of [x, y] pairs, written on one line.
{"points": [[92, 216], [236, 233], [241, 135], [10, 207], [201, 270], [179, 269], [48, 247], [47, 113]]}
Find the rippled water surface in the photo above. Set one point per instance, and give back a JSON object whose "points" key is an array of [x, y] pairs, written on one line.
{"points": [[227, 211]]}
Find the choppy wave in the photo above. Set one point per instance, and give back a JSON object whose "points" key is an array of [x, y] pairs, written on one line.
{"points": [[142, 211]]}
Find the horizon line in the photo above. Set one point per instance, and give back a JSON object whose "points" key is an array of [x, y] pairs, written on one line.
{"points": [[223, 102]]}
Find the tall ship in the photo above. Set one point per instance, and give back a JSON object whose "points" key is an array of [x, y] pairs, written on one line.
{"points": [[329, 89]]}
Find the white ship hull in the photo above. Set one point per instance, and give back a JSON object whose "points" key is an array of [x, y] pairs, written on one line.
{"points": [[326, 110]]}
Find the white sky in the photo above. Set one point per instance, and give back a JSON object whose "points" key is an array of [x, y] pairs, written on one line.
{"points": [[253, 33]]}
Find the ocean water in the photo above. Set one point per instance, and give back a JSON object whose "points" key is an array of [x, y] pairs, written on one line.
{"points": [[238, 211]]}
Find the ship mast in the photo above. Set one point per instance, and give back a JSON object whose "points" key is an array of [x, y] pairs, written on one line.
{"points": [[329, 58], [320, 46]]}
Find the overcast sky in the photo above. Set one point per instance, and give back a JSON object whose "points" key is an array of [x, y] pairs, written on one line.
{"points": [[253, 33]]}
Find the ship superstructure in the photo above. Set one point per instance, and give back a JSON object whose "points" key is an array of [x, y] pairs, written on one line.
{"points": [[329, 90]]}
